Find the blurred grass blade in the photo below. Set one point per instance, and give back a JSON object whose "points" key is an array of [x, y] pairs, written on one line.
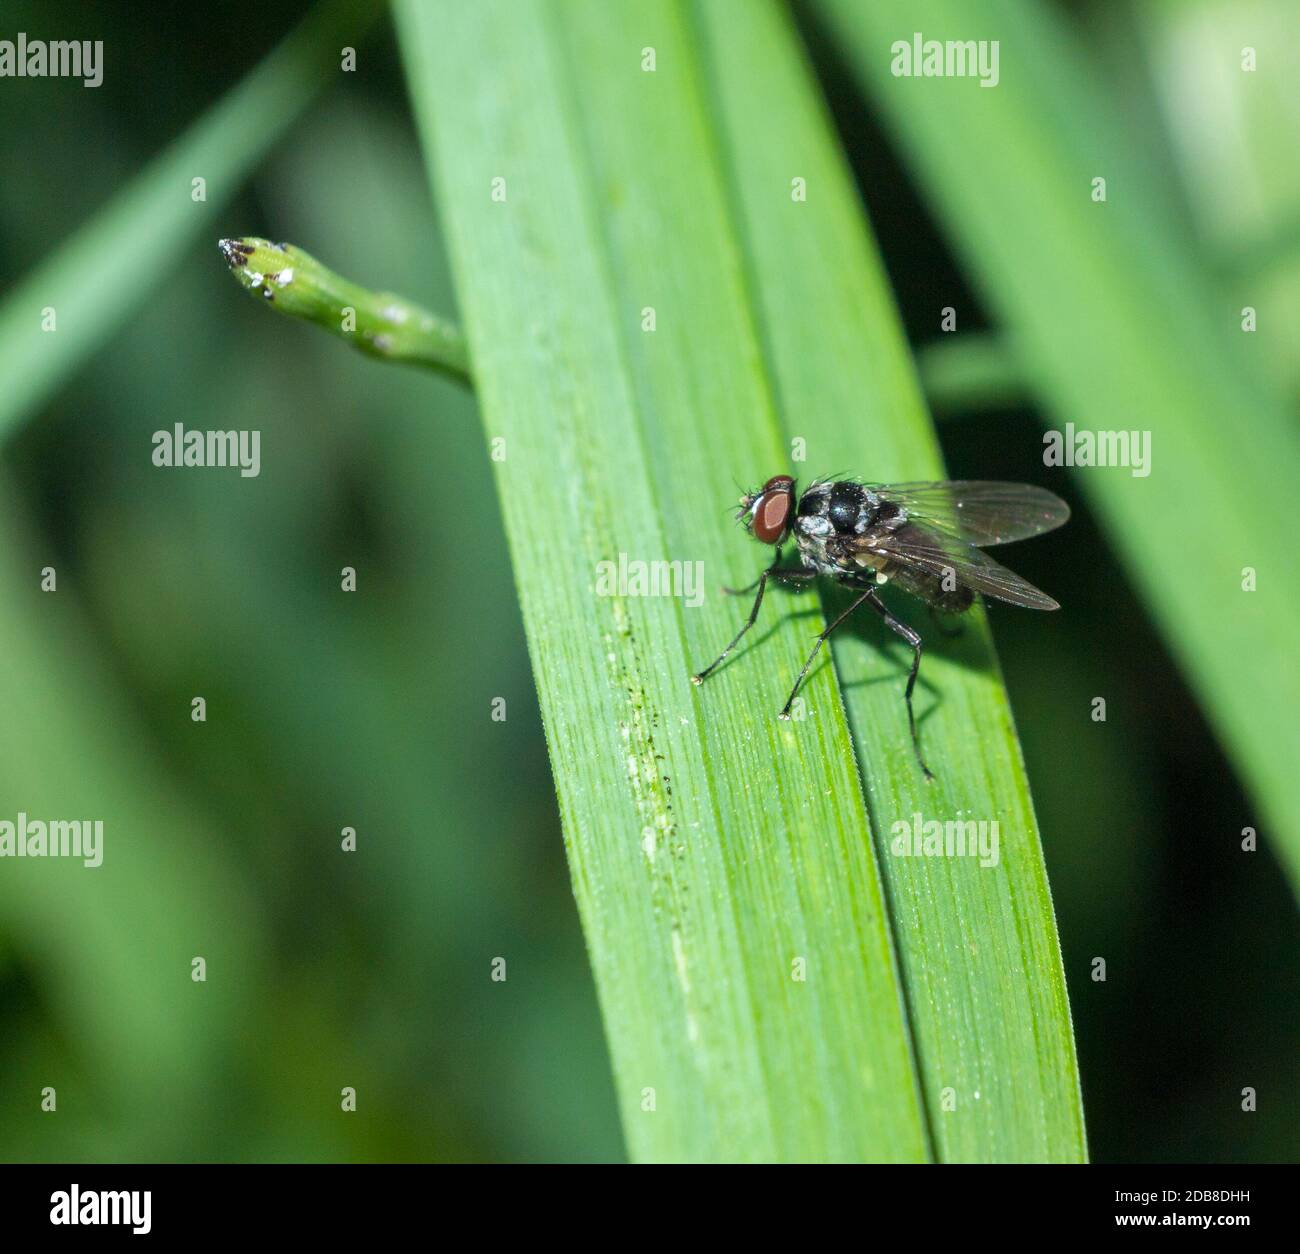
{"points": [[100, 275], [965, 373], [711, 847], [717, 855], [113, 943], [290, 281], [1117, 329], [1234, 138], [977, 944]]}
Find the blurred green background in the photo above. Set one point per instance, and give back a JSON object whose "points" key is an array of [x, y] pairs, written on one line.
{"points": [[373, 711]]}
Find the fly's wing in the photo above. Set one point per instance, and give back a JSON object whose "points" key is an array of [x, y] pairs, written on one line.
{"points": [[977, 511], [917, 548]]}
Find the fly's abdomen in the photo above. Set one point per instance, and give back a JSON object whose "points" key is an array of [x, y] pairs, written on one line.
{"points": [[941, 591]]}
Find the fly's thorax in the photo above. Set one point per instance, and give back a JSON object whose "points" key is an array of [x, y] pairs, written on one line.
{"points": [[813, 499], [812, 551], [845, 508], [823, 550], [816, 533], [811, 525]]}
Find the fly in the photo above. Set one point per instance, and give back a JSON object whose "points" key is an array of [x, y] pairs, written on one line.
{"points": [[926, 538]]}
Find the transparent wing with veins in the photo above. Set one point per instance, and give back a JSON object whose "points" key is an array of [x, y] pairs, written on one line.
{"points": [[982, 512], [946, 521]]}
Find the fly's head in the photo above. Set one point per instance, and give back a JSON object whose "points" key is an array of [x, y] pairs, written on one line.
{"points": [[768, 514]]}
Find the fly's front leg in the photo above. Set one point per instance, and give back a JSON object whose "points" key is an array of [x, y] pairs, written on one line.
{"points": [[749, 622], [785, 576], [900, 628], [785, 710]]}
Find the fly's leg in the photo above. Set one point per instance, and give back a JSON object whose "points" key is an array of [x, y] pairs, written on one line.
{"points": [[912, 638], [740, 592], [785, 710], [749, 622], [785, 576]]}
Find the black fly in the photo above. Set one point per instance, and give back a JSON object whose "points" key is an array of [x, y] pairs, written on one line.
{"points": [[924, 537]]}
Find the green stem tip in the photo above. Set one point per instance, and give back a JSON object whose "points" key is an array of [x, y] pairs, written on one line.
{"points": [[379, 323]]}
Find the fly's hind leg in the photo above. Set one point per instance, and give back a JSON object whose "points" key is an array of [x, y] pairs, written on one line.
{"points": [[902, 629]]}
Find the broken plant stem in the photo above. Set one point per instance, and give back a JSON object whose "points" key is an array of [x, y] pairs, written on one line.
{"points": [[378, 323]]}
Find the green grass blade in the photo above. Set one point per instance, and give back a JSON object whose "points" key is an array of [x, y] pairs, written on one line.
{"points": [[977, 945], [711, 846], [98, 277], [1118, 328], [966, 373], [1233, 137], [112, 943], [602, 162]]}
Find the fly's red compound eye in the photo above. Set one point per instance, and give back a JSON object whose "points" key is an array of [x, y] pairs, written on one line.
{"points": [[772, 509]]}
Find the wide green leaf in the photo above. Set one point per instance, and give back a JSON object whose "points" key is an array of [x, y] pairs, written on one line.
{"points": [[615, 194], [713, 849]]}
